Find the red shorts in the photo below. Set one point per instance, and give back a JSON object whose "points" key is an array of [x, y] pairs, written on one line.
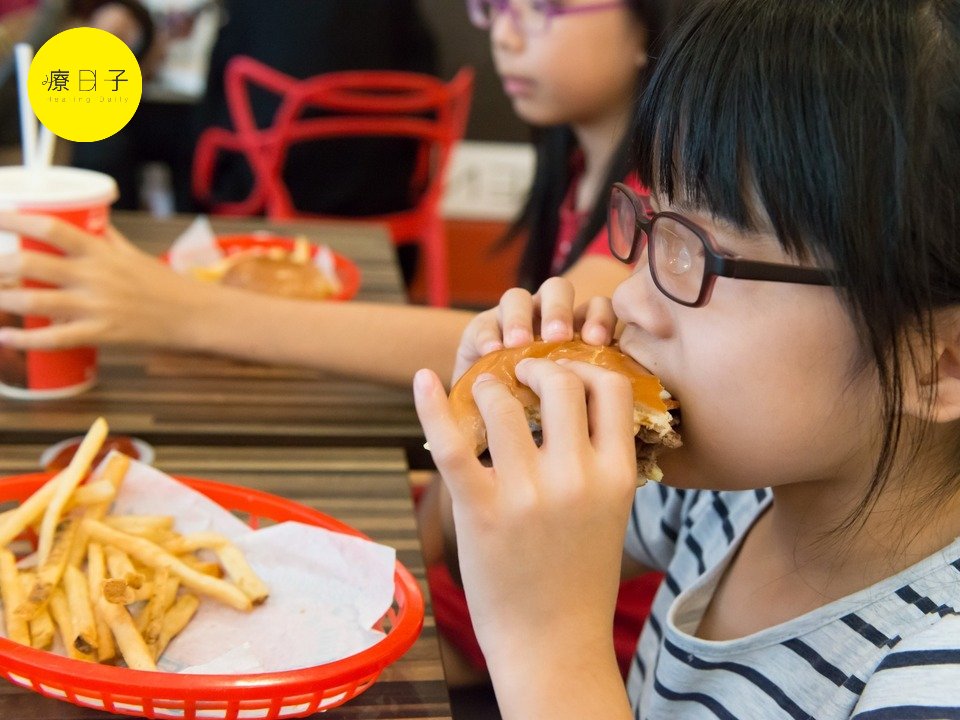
{"points": [[453, 618]]}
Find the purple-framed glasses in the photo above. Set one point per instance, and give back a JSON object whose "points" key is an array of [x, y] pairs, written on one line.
{"points": [[684, 259], [531, 16]]}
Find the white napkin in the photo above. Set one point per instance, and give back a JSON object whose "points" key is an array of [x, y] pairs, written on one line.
{"points": [[196, 247]]}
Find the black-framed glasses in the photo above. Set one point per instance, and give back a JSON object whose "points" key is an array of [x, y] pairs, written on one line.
{"points": [[530, 16], [683, 258]]}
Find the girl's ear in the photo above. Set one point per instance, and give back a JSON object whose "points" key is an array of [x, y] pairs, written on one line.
{"points": [[944, 380], [642, 56]]}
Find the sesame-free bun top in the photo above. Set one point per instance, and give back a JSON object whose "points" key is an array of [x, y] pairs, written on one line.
{"points": [[651, 402], [277, 276]]}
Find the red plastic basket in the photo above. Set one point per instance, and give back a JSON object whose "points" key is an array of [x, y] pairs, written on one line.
{"points": [[288, 694]]}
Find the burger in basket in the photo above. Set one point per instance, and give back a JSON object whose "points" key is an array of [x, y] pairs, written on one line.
{"points": [[276, 270], [653, 421]]}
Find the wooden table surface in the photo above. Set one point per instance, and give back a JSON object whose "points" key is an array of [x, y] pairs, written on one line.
{"points": [[332, 444], [164, 396]]}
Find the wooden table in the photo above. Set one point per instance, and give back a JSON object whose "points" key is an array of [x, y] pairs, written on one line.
{"points": [[168, 397], [332, 444]]}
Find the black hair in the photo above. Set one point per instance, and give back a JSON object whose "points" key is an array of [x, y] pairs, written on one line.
{"points": [[539, 220], [838, 121]]}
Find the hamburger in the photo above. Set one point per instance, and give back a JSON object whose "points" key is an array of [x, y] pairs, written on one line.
{"points": [[277, 276], [274, 270], [654, 411]]}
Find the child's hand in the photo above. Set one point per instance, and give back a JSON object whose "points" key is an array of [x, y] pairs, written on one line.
{"points": [[540, 533], [107, 290], [520, 317]]}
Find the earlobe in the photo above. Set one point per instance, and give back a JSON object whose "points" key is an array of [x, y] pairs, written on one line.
{"points": [[946, 405], [944, 381]]}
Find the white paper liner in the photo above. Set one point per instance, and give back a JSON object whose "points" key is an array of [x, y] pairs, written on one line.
{"points": [[327, 589], [196, 247]]}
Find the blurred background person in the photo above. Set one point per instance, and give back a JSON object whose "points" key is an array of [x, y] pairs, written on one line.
{"points": [[36, 21], [151, 157]]}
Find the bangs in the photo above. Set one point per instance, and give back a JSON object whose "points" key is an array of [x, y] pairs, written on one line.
{"points": [[739, 119]]}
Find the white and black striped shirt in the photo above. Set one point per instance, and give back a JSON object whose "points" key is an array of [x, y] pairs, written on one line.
{"points": [[891, 651]]}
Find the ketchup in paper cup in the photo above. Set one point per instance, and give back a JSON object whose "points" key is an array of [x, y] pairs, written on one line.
{"points": [[56, 457]]}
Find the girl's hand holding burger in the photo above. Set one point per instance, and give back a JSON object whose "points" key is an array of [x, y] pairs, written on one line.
{"points": [[520, 317], [540, 533]]}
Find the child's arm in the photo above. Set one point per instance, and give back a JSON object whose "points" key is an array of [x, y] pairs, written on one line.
{"points": [[111, 292]]}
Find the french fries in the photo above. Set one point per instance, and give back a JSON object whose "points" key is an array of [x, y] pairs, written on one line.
{"points": [[11, 591], [81, 611], [131, 644], [112, 476], [120, 567], [112, 587], [60, 610], [156, 557], [176, 620], [232, 560], [50, 572], [42, 629], [96, 572], [66, 482]]}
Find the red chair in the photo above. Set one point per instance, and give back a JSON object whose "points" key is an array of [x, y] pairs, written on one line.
{"points": [[355, 104]]}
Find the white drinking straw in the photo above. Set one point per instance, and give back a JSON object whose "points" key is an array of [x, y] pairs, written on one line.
{"points": [[28, 121], [45, 146]]}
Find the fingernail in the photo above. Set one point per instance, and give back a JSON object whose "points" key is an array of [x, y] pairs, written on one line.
{"points": [[518, 336], [556, 328], [593, 333], [484, 377], [422, 381], [492, 346]]}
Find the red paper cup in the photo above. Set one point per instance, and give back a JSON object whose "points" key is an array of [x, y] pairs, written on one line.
{"points": [[82, 198]]}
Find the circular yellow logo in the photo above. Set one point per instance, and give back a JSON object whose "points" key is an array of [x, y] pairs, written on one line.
{"points": [[84, 84]]}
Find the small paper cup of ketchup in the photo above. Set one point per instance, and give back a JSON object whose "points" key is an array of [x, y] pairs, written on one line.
{"points": [[56, 457]]}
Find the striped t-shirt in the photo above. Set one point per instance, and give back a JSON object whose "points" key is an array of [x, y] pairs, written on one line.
{"points": [[891, 651]]}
